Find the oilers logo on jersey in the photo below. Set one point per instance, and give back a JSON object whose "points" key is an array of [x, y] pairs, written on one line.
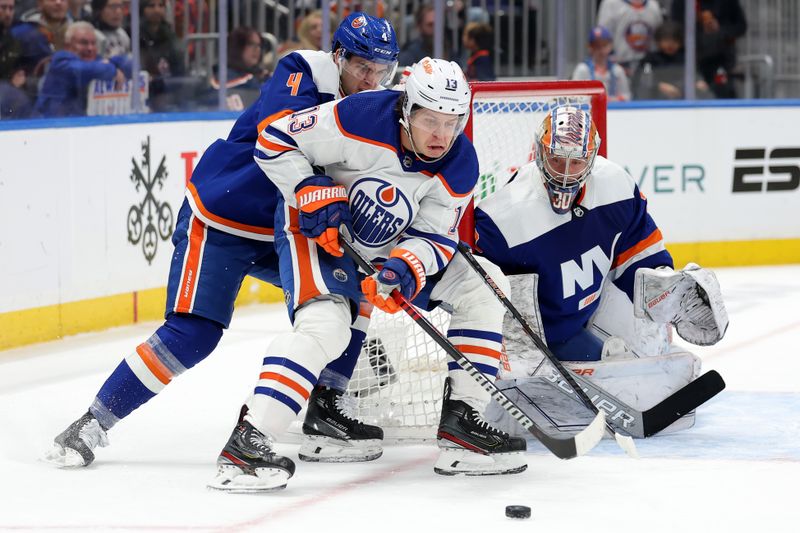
{"points": [[381, 212]]}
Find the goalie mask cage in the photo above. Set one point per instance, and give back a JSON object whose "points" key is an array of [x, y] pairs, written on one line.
{"points": [[398, 381]]}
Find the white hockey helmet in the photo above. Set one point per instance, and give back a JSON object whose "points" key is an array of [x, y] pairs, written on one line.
{"points": [[566, 145], [440, 86]]}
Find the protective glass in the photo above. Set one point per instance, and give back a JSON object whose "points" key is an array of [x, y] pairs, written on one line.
{"points": [[434, 122], [565, 170], [374, 72]]}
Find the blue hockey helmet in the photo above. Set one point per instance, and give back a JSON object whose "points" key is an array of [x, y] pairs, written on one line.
{"points": [[369, 38]]}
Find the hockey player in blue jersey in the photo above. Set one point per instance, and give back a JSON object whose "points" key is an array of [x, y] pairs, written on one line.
{"points": [[224, 232], [398, 174], [604, 284]]}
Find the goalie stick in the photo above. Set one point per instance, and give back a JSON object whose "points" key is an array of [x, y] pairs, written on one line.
{"points": [[564, 447], [633, 422], [625, 441]]}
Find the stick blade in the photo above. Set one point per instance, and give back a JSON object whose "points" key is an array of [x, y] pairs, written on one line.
{"points": [[684, 401], [592, 434]]}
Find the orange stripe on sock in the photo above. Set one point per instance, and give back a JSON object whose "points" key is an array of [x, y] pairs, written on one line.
{"points": [[479, 350], [152, 362], [299, 389]]}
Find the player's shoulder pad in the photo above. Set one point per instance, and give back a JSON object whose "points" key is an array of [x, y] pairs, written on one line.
{"points": [[319, 65], [369, 116], [609, 183], [460, 168]]}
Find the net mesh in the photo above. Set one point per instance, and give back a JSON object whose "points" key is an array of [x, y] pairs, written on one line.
{"points": [[400, 374]]}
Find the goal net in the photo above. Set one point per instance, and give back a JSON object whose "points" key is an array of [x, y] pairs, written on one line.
{"points": [[397, 383]]}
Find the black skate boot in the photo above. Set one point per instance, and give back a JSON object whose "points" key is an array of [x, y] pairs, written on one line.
{"points": [[331, 436], [73, 447], [469, 445], [248, 464]]}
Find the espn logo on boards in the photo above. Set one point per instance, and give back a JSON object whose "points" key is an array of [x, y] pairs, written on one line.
{"points": [[778, 172]]}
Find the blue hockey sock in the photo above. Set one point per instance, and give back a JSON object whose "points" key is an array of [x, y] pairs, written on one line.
{"points": [[179, 344]]}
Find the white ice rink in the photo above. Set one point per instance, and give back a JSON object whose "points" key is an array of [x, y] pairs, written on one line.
{"points": [[737, 470]]}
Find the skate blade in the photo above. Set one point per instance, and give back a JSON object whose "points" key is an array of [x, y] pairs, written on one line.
{"points": [[63, 457], [231, 479], [319, 449], [452, 462]]}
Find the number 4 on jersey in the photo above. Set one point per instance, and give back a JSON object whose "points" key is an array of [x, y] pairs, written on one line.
{"points": [[294, 82]]}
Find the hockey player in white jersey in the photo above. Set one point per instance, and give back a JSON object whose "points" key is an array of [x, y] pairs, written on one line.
{"points": [[398, 174], [602, 285]]}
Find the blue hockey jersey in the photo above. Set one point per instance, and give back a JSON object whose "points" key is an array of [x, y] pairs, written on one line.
{"points": [[606, 238], [227, 190]]}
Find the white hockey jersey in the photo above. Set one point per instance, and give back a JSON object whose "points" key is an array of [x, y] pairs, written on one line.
{"points": [[395, 198], [606, 236]]}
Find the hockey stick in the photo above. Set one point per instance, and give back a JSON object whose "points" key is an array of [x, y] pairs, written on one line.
{"points": [[634, 422], [562, 447], [625, 442]]}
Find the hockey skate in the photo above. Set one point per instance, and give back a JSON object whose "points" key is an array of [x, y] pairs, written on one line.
{"points": [[247, 463], [331, 436], [73, 447], [470, 446]]}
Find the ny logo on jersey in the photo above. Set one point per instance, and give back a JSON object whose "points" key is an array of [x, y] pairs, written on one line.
{"points": [[573, 274]]}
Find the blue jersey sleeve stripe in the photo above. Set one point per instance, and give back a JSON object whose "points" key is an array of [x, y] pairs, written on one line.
{"points": [[291, 365], [281, 136]]}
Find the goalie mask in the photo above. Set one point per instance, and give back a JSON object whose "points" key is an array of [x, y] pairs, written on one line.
{"points": [[436, 102], [566, 145]]}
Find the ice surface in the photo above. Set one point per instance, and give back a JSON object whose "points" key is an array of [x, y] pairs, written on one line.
{"points": [[737, 470]]}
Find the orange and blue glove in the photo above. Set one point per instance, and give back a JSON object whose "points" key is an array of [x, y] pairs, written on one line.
{"points": [[406, 275], [323, 208]]}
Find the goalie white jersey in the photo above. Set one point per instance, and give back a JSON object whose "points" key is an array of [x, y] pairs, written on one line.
{"points": [[395, 198]]}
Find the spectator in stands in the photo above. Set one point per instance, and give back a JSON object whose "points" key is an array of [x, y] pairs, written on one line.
{"points": [[64, 91], [478, 41], [632, 24], [422, 45], [14, 102], [41, 32], [598, 66], [309, 34], [78, 10], [246, 71], [719, 24], [112, 39], [161, 54], [660, 75]]}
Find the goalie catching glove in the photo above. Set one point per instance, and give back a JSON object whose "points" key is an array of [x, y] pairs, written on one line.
{"points": [[402, 271], [323, 208], [690, 299]]}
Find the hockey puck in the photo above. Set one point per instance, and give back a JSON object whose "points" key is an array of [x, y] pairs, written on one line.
{"points": [[518, 511]]}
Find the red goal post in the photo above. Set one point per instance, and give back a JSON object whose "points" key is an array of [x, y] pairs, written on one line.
{"points": [[397, 383]]}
